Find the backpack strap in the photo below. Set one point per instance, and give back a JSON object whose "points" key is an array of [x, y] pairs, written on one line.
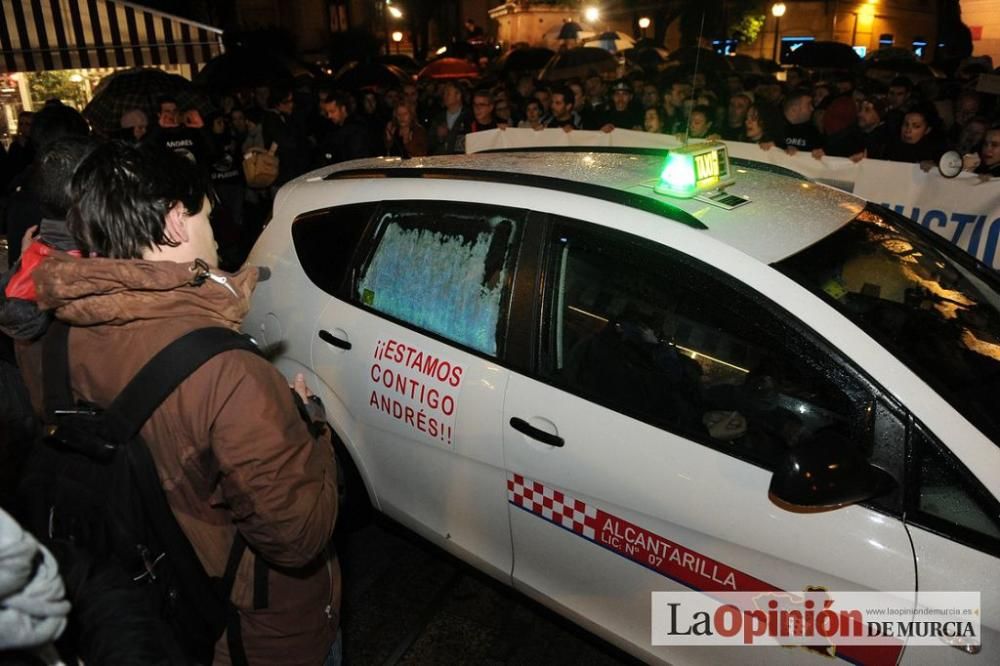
{"points": [[126, 416], [163, 373], [56, 391]]}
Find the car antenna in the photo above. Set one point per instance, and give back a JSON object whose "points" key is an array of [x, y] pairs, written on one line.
{"points": [[697, 59]]}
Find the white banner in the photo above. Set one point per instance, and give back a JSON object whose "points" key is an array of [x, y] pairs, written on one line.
{"points": [[965, 210]]}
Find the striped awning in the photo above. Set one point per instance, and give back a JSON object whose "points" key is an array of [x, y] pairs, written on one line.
{"points": [[39, 35]]}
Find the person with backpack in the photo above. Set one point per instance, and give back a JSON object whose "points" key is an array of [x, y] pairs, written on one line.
{"points": [[248, 483]]}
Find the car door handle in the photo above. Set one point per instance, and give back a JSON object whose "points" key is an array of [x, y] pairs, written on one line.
{"points": [[523, 426], [331, 339]]}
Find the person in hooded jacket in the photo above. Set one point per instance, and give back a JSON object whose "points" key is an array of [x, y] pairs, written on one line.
{"points": [[229, 444], [111, 621]]}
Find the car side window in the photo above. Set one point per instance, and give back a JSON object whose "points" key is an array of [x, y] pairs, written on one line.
{"points": [[948, 500], [325, 241], [444, 268], [657, 336]]}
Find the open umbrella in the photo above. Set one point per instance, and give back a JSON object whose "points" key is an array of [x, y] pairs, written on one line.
{"points": [[528, 59], [449, 68], [610, 41], [569, 30], [579, 62], [884, 71], [139, 88], [358, 75], [401, 60], [247, 68], [652, 59], [823, 55], [686, 60]]}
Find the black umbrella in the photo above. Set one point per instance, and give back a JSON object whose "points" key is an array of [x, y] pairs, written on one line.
{"points": [[528, 59], [688, 55], [140, 88], [884, 71], [685, 61], [358, 75], [579, 62], [401, 60], [570, 30], [247, 68], [823, 55], [651, 59]]}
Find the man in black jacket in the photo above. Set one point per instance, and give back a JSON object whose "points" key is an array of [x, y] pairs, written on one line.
{"points": [[346, 137]]}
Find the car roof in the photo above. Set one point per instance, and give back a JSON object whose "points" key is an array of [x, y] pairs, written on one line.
{"points": [[786, 213]]}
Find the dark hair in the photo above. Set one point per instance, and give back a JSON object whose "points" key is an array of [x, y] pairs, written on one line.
{"points": [[340, 98], [164, 99], [902, 82], [52, 173], [54, 122], [793, 98], [660, 114], [928, 112], [277, 95], [770, 120], [122, 195], [568, 95], [707, 111], [254, 114]]}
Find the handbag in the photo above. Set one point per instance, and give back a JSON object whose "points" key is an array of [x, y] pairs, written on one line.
{"points": [[260, 167]]}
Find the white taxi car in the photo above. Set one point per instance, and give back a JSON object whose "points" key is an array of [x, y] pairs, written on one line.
{"points": [[594, 377]]}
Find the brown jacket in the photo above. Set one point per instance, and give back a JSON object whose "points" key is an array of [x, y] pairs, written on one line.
{"points": [[229, 444]]}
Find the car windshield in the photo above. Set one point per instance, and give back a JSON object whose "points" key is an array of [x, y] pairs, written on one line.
{"points": [[923, 299]]}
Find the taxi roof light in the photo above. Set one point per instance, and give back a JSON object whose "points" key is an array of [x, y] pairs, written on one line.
{"points": [[691, 170]]}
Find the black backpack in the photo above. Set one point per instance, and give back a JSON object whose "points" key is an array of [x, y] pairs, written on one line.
{"points": [[90, 486]]}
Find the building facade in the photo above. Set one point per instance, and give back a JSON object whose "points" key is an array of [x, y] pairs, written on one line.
{"points": [[864, 24]]}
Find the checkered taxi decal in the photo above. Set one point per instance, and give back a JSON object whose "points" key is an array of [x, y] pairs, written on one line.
{"points": [[654, 552], [553, 506]]}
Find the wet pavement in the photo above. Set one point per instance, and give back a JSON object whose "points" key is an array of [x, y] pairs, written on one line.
{"points": [[407, 602]]}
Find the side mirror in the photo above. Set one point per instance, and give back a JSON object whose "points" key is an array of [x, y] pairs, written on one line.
{"points": [[825, 473]]}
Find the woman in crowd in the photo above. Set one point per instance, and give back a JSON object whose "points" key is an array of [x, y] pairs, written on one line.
{"points": [[920, 140], [989, 154], [532, 115], [700, 122], [654, 120], [404, 136], [761, 126]]}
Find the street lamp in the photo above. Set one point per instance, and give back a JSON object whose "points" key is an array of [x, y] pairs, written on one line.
{"points": [[388, 9], [591, 14], [777, 11], [643, 24], [397, 37]]}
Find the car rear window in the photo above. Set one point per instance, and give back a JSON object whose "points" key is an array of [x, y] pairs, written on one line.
{"points": [[443, 268], [326, 239]]}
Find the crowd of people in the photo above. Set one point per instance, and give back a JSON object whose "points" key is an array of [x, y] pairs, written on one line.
{"points": [[311, 123]]}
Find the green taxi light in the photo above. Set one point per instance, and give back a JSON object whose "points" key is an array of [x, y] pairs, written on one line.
{"points": [[691, 170], [678, 177]]}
